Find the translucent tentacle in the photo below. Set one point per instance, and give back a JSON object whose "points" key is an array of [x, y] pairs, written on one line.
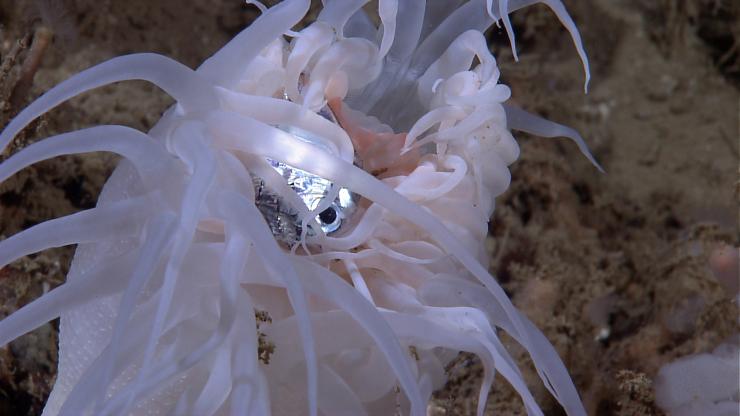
{"points": [[354, 59], [469, 16], [559, 9], [405, 39], [467, 318], [331, 287], [285, 113], [336, 13], [121, 219], [215, 391], [146, 154], [258, 4], [399, 256], [337, 397], [159, 235], [410, 13], [518, 119], [387, 9], [359, 25], [314, 39], [489, 374], [358, 281], [99, 282], [207, 397], [394, 99], [190, 90], [226, 67], [503, 7], [436, 12], [428, 120], [248, 391], [456, 58], [234, 261], [132, 346], [503, 14], [189, 145], [550, 368], [424, 331], [247, 220], [78, 399]]}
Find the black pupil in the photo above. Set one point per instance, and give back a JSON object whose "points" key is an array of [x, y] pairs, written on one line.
{"points": [[328, 216]]}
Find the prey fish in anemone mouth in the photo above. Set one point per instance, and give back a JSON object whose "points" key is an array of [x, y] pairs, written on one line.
{"points": [[285, 217], [303, 231]]}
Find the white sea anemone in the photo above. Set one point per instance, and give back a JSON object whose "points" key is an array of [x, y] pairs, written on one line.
{"points": [[204, 281]]}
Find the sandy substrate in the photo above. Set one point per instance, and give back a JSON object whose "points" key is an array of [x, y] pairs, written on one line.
{"points": [[613, 267]]}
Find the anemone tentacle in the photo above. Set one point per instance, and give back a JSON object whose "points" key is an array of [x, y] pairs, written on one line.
{"points": [[233, 205], [225, 67], [159, 236], [87, 226], [232, 266], [137, 147], [106, 280], [166, 73], [194, 152], [521, 120]]}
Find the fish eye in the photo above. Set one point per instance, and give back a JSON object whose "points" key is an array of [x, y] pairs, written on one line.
{"points": [[329, 219]]}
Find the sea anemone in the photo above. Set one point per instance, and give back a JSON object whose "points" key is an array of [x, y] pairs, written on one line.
{"points": [[303, 231]]}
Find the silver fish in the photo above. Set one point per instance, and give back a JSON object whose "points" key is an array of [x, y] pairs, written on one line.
{"points": [[284, 219]]}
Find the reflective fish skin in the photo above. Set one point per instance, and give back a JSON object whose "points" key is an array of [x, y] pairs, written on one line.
{"points": [[284, 220]]}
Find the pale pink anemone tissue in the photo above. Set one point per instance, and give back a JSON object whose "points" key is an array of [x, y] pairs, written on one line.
{"points": [[187, 295]]}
